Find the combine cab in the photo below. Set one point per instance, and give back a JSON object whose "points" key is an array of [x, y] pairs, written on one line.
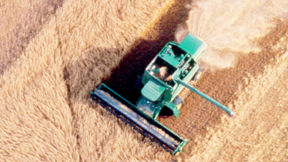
{"points": [[163, 79]]}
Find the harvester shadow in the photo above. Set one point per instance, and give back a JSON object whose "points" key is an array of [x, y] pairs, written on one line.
{"points": [[131, 67]]}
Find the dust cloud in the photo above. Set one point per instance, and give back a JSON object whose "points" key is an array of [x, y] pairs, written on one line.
{"points": [[230, 28]]}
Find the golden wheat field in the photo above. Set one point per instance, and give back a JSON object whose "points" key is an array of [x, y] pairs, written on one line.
{"points": [[53, 53]]}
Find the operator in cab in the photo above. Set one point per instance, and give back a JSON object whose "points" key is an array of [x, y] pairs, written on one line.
{"points": [[161, 73]]}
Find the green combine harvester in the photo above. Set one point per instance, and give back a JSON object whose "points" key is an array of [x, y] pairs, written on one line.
{"points": [[164, 78]]}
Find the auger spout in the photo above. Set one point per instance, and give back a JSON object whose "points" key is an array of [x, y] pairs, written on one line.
{"points": [[228, 111]]}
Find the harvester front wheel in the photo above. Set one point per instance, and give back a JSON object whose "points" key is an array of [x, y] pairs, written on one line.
{"points": [[178, 101], [197, 74], [138, 84]]}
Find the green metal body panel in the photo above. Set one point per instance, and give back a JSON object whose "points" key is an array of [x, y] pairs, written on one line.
{"points": [[153, 90], [194, 45]]}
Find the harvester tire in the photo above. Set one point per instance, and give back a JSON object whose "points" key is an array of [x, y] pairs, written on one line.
{"points": [[138, 84], [178, 101], [198, 74]]}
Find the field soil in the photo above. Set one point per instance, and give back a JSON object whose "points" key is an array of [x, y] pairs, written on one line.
{"points": [[53, 53]]}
